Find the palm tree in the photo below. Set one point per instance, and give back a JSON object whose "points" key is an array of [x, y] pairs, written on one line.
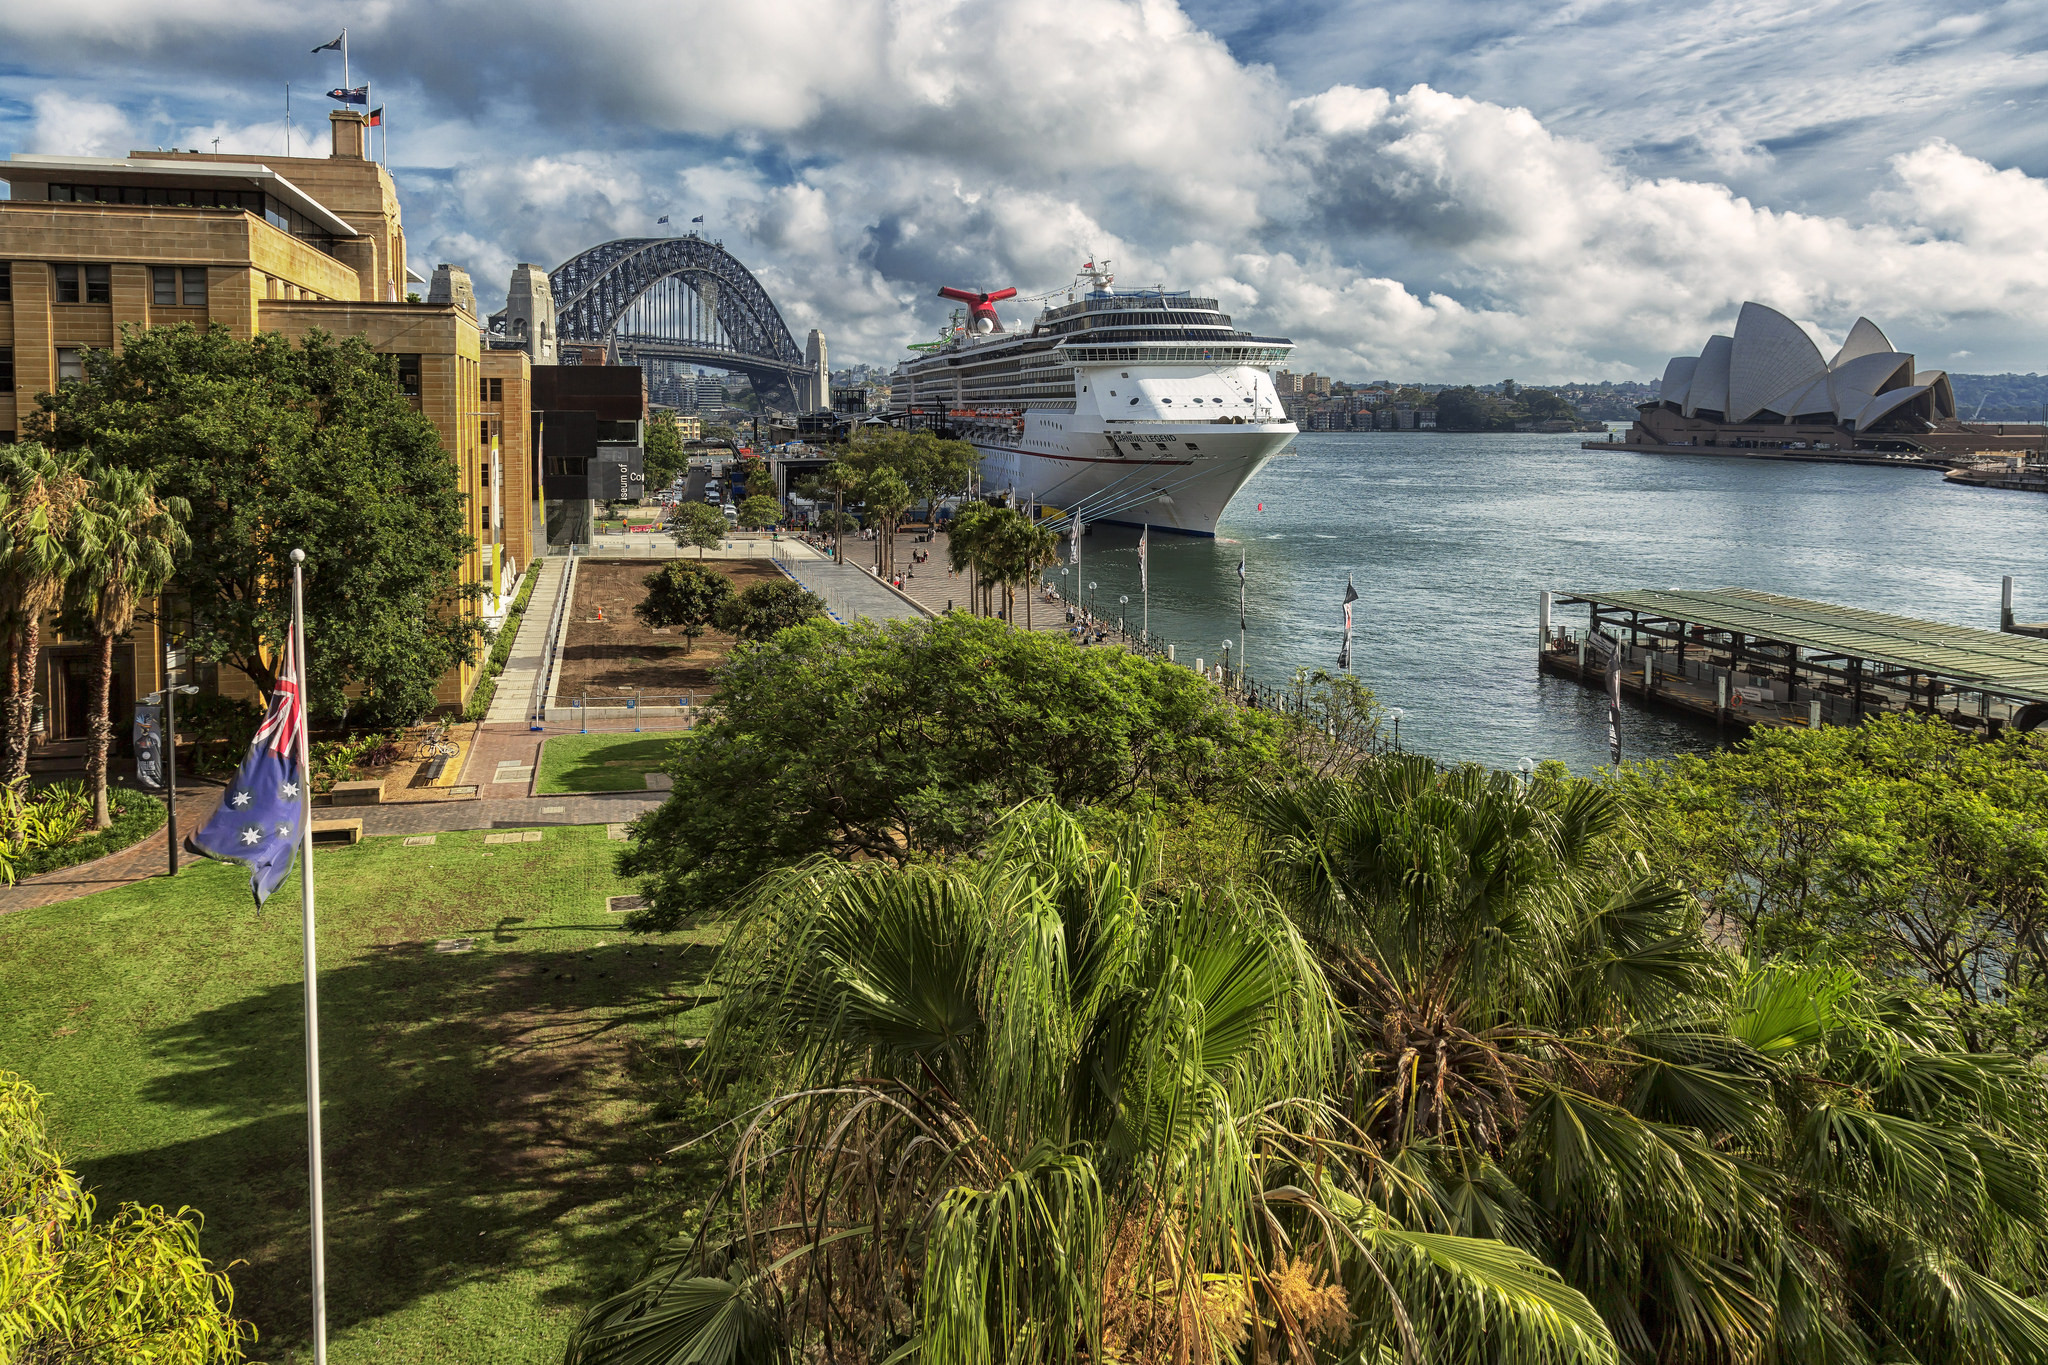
{"points": [[134, 538], [966, 547], [1026, 1109], [1734, 1162], [41, 492]]}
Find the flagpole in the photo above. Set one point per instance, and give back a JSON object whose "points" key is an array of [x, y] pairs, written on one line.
{"points": [[344, 62], [317, 1204], [287, 118]]}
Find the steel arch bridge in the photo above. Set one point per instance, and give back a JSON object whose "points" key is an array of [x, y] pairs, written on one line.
{"points": [[668, 302]]}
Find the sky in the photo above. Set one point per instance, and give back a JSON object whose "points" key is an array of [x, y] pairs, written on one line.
{"points": [[1462, 190]]}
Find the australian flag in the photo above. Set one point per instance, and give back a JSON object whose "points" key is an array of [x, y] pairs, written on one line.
{"points": [[359, 95], [257, 821]]}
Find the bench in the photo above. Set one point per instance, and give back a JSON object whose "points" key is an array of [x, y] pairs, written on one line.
{"points": [[358, 793], [337, 831]]}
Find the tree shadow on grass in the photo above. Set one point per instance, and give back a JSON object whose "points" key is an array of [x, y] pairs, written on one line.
{"points": [[489, 1113]]}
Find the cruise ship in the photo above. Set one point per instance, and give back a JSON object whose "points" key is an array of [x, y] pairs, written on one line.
{"points": [[1143, 407]]}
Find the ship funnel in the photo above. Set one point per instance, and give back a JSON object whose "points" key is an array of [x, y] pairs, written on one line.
{"points": [[980, 306]]}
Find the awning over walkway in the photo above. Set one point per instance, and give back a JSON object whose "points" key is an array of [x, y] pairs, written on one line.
{"points": [[1991, 661]]}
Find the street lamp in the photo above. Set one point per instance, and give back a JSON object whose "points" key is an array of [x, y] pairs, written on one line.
{"points": [[1121, 603], [1395, 716], [1091, 599], [1525, 768], [1226, 660]]}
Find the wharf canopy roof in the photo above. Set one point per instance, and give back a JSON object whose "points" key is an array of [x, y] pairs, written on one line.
{"points": [[1978, 660], [1770, 371]]}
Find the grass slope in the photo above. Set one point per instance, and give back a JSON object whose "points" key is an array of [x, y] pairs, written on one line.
{"points": [[602, 763], [495, 1121]]}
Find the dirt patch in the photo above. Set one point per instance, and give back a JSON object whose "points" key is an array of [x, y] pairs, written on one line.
{"points": [[618, 655]]}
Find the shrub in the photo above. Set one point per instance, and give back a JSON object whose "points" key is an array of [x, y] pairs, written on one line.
{"points": [[133, 1287]]}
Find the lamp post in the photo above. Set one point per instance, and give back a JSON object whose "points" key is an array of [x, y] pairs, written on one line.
{"points": [[1226, 662], [1395, 716], [1091, 600], [1526, 767], [1121, 603]]}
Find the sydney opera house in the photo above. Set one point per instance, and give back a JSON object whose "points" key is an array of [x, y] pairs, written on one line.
{"points": [[1769, 386]]}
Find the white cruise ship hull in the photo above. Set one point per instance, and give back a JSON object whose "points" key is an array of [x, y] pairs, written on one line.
{"points": [[1171, 476]]}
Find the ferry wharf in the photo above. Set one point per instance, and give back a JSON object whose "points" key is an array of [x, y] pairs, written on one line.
{"points": [[1748, 659]]}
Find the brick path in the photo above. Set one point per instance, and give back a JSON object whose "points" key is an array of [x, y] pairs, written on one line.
{"points": [[149, 858]]}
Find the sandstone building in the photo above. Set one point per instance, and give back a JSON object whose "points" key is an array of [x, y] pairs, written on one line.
{"points": [[255, 244]]}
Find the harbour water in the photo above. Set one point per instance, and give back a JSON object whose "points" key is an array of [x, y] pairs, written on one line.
{"points": [[1450, 536]]}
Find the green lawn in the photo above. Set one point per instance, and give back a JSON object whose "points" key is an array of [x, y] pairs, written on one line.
{"points": [[496, 1121], [602, 763]]}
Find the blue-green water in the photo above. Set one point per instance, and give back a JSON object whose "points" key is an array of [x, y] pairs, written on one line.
{"points": [[1450, 537]]}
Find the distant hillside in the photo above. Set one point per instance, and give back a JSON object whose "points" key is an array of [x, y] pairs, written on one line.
{"points": [[2000, 397]]}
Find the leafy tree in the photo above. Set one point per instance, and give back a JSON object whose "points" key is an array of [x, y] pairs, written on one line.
{"points": [[768, 608], [758, 511], [42, 494], [277, 446], [133, 1287], [686, 597], [699, 524], [134, 540], [1467, 409], [1029, 1109], [664, 449], [1732, 1161], [911, 738], [1903, 845], [893, 471]]}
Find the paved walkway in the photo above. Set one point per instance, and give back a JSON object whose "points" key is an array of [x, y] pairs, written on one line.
{"points": [[514, 698], [149, 858]]}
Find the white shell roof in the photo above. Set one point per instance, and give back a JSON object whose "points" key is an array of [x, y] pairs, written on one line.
{"points": [[1677, 378], [1771, 356], [1709, 388], [1771, 365]]}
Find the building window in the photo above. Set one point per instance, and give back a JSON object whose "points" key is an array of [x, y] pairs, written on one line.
{"points": [[99, 287], [486, 432], [497, 391], [163, 285], [6, 282], [408, 375], [67, 284], [70, 369], [6, 369], [195, 286]]}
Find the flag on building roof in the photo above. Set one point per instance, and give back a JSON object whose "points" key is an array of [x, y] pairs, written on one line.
{"points": [[377, 117], [359, 95], [659, 221], [698, 219], [257, 821], [334, 46]]}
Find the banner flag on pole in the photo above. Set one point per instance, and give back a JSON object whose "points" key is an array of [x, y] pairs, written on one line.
{"points": [[334, 46], [1144, 572], [1614, 704], [698, 219], [149, 744], [1240, 590], [257, 821], [1074, 541], [359, 95], [1350, 596]]}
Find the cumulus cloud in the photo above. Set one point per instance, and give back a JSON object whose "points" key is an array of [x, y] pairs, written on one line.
{"points": [[860, 153], [75, 125]]}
